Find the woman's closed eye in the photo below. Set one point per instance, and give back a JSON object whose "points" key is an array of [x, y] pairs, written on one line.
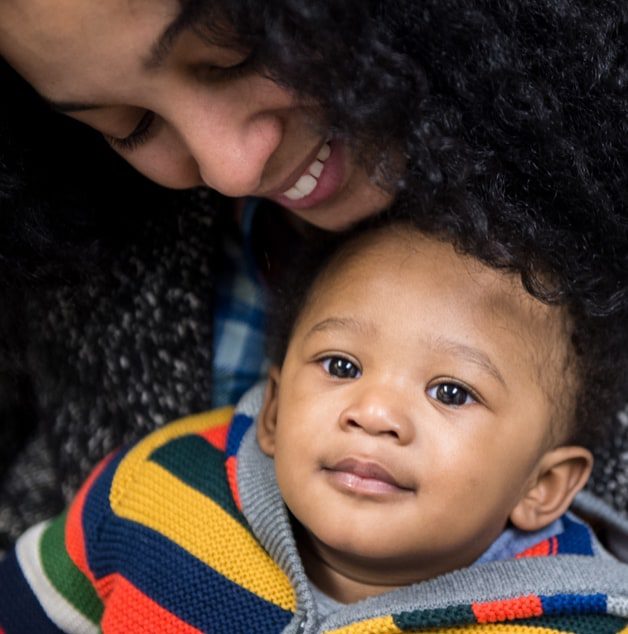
{"points": [[209, 73], [341, 367], [451, 394], [140, 134]]}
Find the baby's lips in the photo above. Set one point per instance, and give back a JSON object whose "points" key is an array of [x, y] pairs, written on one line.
{"points": [[370, 470]]}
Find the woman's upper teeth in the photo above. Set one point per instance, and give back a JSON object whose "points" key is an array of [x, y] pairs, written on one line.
{"points": [[308, 180]]}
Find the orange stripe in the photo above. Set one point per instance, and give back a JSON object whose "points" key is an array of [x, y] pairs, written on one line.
{"points": [[216, 436], [130, 610], [74, 536], [507, 609]]}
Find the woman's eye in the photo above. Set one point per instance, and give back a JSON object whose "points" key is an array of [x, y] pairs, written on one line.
{"points": [[140, 134], [451, 394], [212, 72], [341, 368]]}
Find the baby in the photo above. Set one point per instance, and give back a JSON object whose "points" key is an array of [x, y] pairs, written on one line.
{"points": [[409, 465]]}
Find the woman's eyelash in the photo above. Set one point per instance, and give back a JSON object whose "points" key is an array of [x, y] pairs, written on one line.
{"points": [[211, 73], [140, 135], [143, 130]]}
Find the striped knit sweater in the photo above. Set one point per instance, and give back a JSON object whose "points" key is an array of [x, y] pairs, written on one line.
{"points": [[186, 532]]}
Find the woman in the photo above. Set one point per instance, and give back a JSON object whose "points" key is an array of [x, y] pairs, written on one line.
{"points": [[327, 111]]}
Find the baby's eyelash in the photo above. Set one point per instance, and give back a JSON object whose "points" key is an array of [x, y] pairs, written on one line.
{"points": [[140, 135], [450, 392]]}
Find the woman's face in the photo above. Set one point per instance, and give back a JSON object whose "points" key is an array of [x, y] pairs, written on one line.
{"points": [[182, 111]]}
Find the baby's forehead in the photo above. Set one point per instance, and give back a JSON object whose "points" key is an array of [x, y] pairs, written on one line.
{"points": [[498, 298]]}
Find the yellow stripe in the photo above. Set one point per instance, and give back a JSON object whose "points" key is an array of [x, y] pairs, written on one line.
{"points": [[491, 628], [162, 502], [125, 473], [386, 625], [138, 455], [380, 625]]}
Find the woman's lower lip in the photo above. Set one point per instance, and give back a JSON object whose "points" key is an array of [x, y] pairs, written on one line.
{"points": [[348, 482], [328, 184]]}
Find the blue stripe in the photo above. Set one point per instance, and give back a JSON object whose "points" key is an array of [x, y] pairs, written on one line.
{"points": [[575, 539], [168, 574], [239, 427], [558, 604], [20, 611]]}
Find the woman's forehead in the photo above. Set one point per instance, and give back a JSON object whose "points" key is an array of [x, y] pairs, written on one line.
{"points": [[66, 43]]}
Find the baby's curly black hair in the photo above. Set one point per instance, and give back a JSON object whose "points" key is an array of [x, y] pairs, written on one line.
{"points": [[595, 373]]}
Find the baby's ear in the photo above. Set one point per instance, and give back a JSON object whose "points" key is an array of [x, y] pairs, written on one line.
{"points": [[560, 474], [267, 418]]}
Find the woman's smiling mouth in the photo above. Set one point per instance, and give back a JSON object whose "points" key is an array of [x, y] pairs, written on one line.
{"points": [[320, 180]]}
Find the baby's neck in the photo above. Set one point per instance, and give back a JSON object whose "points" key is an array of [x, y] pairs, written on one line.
{"points": [[339, 579], [348, 578]]}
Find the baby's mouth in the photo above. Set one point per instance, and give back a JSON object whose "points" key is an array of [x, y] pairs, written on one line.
{"points": [[308, 181], [365, 477]]}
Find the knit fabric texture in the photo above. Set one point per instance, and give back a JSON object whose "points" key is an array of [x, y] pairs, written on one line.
{"points": [[111, 359], [184, 532]]}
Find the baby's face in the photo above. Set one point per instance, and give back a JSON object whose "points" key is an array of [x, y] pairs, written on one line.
{"points": [[412, 407]]}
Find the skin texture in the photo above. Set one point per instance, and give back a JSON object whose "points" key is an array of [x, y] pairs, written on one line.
{"points": [[195, 118], [410, 319]]}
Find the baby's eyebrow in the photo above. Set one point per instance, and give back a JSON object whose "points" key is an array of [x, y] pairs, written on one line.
{"points": [[469, 353], [341, 323]]}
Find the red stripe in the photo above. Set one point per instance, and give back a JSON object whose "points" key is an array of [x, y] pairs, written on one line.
{"points": [[231, 465], [216, 436], [507, 609], [74, 536], [130, 610]]}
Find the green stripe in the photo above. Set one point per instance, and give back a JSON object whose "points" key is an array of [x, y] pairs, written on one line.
{"points": [[438, 617], [579, 623], [66, 578], [200, 465]]}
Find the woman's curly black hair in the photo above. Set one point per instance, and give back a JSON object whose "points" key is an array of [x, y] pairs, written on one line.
{"points": [[508, 119], [518, 108]]}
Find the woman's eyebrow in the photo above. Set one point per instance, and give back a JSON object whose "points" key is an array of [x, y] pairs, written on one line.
{"points": [[158, 52], [162, 47]]}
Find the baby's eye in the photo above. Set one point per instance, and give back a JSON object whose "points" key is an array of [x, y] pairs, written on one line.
{"points": [[341, 368], [451, 394]]}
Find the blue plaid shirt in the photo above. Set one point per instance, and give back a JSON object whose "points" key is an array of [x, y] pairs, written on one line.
{"points": [[240, 301]]}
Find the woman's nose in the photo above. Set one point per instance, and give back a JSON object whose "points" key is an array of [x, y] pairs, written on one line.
{"points": [[379, 412], [232, 151]]}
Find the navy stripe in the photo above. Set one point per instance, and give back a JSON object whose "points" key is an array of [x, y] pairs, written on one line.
{"points": [[20, 611]]}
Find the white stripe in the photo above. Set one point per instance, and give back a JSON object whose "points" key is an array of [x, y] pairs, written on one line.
{"points": [[618, 606], [62, 613]]}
